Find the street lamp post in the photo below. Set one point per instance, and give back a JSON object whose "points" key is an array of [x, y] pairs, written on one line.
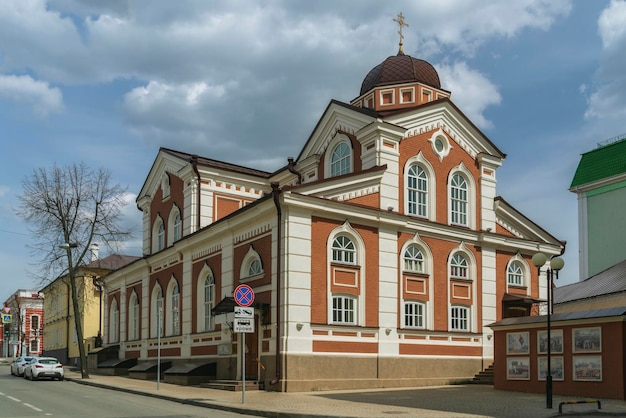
{"points": [[556, 264]]}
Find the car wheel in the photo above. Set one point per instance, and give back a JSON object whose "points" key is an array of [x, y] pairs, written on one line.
{"points": [[61, 379]]}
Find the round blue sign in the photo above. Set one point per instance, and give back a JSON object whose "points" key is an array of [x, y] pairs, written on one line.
{"points": [[244, 295]]}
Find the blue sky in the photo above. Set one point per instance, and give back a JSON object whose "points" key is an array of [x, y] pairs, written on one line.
{"points": [[108, 83]]}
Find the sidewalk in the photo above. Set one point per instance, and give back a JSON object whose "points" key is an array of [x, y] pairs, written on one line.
{"points": [[439, 402]]}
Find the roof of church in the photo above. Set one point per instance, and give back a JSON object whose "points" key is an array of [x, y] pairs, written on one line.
{"points": [[400, 69], [216, 163], [611, 280], [601, 163]]}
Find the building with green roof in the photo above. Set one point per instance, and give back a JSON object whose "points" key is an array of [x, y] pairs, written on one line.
{"points": [[600, 183]]}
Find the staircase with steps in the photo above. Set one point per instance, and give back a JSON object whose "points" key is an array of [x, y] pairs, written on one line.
{"points": [[232, 385], [484, 377]]}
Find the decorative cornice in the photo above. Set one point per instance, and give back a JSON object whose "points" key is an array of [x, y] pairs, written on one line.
{"points": [[255, 232]]}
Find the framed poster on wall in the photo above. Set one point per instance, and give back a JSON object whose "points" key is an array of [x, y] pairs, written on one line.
{"points": [[556, 365], [557, 341], [518, 368], [517, 343], [587, 340], [587, 368]]}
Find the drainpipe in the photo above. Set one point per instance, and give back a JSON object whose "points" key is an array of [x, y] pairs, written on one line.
{"points": [[292, 169], [276, 195], [194, 165]]}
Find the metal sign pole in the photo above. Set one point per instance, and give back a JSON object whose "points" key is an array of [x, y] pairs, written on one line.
{"points": [[243, 367]]}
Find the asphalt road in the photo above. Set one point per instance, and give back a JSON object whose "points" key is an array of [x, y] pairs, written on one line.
{"points": [[22, 398]]}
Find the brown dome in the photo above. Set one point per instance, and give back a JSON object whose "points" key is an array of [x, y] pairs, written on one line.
{"points": [[400, 69]]}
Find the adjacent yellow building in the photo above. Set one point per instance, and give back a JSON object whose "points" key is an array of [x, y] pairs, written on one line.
{"points": [[60, 337]]}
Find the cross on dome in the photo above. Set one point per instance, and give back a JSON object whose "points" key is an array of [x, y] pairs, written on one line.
{"points": [[400, 21]]}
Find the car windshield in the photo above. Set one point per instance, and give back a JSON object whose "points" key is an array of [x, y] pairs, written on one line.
{"points": [[28, 358], [48, 361]]}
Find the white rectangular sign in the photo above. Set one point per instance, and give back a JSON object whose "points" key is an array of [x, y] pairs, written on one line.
{"points": [[243, 325], [244, 312]]}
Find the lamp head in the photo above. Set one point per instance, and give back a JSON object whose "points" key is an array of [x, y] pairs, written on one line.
{"points": [[539, 259], [557, 263]]}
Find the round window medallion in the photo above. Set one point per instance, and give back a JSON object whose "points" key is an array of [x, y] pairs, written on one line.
{"points": [[439, 145]]}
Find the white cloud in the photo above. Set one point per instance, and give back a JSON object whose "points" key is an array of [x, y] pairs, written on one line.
{"points": [[471, 91], [607, 101], [40, 95]]}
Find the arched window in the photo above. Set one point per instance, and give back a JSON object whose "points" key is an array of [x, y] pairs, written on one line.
{"points": [[178, 231], [343, 250], [459, 268], [161, 237], [458, 200], [173, 318], [463, 290], [340, 160], [174, 226], [114, 322], [156, 312], [133, 317], [413, 259], [515, 274], [158, 235], [346, 276], [251, 266], [417, 193], [209, 301]]}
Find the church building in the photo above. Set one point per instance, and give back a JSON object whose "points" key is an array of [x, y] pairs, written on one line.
{"points": [[377, 257]]}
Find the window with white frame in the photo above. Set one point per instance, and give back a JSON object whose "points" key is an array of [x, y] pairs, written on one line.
{"points": [[459, 318], [251, 265], [459, 268], [133, 317], [458, 200], [34, 345], [178, 227], [343, 250], [340, 160], [515, 274], [156, 312], [165, 185], [208, 301], [174, 226], [158, 235], [414, 315], [344, 309], [413, 259], [417, 191], [175, 310], [114, 322], [161, 237]]}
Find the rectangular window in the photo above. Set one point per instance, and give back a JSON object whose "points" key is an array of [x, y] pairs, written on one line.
{"points": [[414, 315], [459, 318], [343, 310], [34, 323]]}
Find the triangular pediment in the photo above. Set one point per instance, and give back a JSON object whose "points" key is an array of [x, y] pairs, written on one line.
{"points": [[338, 117], [444, 115]]}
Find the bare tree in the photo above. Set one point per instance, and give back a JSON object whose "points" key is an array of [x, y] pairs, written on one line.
{"points": [[70, 208]]}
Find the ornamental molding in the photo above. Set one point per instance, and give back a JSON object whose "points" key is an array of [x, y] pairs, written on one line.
{"points": [[434, 126], [252, 233]]}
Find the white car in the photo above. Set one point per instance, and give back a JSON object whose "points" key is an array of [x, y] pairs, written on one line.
{"points": [[17, 367], [40, 367]]}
